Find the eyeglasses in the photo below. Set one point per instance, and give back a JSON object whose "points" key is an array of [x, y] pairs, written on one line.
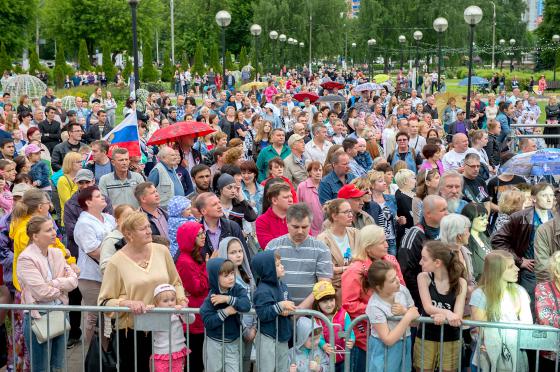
{"points": [[349, 211], [473, 165], [402, 140]]}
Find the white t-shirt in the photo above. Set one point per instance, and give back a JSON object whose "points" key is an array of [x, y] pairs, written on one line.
{"points": [[454, 160], [378, 310]]}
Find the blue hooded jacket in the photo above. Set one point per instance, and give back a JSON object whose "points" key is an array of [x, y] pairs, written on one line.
{"points": [[270, 291], [214, 317]]}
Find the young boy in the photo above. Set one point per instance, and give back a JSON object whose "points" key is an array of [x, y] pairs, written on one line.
{"points": [[306, 355], [219, 313], [39, 171], [273, 306]]}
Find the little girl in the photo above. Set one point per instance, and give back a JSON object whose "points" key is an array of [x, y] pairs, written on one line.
{"points": [[443, 290], [389, 299], [232, 249], [165, 296], [325, 302], [6, 198]]}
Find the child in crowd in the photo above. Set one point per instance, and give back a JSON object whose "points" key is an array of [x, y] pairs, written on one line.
{"points": [[306, 355], [325, 302], [179, 210], [39, 171], [219, 313], [231, 248], [18, 139], [443, 290], [363, 158], [273, 307], [389, 299], [6, 198], [165, 296]]}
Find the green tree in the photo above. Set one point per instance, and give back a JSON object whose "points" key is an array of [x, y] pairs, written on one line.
{"points": [[83, 56], [230, 64], [243, 59], [108, 66], [167, 70], [128, 68], [18, 22], [185, 62], [149, 72], [34, 64], [215, 59], [60, 68], [198, 65], [5, 61]]}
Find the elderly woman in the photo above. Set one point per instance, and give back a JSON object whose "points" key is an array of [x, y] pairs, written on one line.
{"points": [[46, 279], [426, 184], [130, 278], [372, 246], [455, 229], [308, 193], [91, 228], [406, 181], [66, 186], [547, 309], [509, 202], [340, 237]]}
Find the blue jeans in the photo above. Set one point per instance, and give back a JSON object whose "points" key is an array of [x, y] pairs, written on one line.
{"points": [[392, 247], [394, 361], [39, 352], [357, 359]]}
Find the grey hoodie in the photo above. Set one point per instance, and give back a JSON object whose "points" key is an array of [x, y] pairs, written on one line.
{"points": [[299, 354]]}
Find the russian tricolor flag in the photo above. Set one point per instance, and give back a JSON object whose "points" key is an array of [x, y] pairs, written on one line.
{"points": [[125, 135]]}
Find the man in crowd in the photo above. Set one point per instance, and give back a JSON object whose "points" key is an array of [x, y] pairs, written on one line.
{"points": [[294, 164], [202, 178], [101, 164], [405, 153], [272, 222], [119, 185], [7, 149], [454, 159], [48, 97], [451, 189], [318, 148], [50, 129], [430, 107], [350, 146], [73, 143], [99, 129], [306, 260], [338, 177], [164, 176], [81, 112], [149, 200], [277, 148], [415, 141], [355, 198], [474, 186]]}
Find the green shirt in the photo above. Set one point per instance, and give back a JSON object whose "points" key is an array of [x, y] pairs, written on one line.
{"points": [[267, 154]]}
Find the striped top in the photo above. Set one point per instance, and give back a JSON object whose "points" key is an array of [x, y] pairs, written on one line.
{"points": [[304, 264]]}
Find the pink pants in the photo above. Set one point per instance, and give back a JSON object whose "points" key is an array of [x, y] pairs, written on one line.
{"points": [[161, 361]]}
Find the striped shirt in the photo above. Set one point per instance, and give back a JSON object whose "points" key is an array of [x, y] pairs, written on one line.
{"points": [[304, 264], [120, 191]]}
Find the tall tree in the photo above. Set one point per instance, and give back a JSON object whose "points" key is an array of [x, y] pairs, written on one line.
{"points": [[5, 60], [149, 72], [60, 67], [108, 66], [215, 60], [243, 59], [34, 64], [128, 68], [18, 22], [199, 55], [167, 70], [83, 56]]}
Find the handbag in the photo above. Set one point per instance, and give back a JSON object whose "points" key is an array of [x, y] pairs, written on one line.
{"points": [[50, 325], [109, 357]]}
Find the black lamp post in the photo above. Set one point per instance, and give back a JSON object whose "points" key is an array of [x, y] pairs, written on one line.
{"points": [[402, 40], [133, 5], [302, 59], [256, 32], [273, 36], [555, 40], [502, 42], [417, 37], [512, 43], [440, 25], [371, 44], [472, 15], [223, 19], [282, 38]]}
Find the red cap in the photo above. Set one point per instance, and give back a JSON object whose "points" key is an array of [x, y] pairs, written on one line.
{"points": [[350, 191]]}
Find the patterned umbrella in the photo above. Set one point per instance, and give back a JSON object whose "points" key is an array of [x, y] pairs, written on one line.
{"points": [[181, 129]]}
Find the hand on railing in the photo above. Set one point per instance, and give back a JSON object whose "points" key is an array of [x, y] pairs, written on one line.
{"points": [[219, 299], [398, 309], [328, 349], [439, 319], [137, 307], [453, 319], [287, 307]]}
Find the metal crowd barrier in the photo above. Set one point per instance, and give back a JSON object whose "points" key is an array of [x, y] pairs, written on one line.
{"points": [[528, 337], [158, 319]]}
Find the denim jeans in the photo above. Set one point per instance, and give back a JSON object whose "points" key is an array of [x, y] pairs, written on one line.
{"points": [[392, 247], [357, 359], [39, 352]]}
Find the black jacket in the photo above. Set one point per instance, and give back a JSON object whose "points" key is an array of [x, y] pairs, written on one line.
{"points": [[153, 224], [50, 133], [93, 133], [60, 151], [493, 150], [228, 228]]}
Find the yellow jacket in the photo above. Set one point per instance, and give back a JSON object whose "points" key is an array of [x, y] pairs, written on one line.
{"points": [[66, 188], [18, 233]]}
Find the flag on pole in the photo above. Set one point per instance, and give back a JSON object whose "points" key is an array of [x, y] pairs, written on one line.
{"points": [[125, 135]]}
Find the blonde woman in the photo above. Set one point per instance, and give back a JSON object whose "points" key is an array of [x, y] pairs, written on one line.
{"points": [[66, 186], [388, 139], [262, 139], [491, 110], [406, 181], [510, 201]]}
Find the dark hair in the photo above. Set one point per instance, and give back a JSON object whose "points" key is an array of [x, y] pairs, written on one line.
{"points": [[400, 134], [474, 210], [298, 212], [22, 178], [103, 145], [377, 273], [246, 278], [5, 141], [430, 150], [541, 186], [349, 143], [86, 195], [272, 189], [198, 168], [249, 166], [227, 268], [449, 256], [383, 166], [277, 160], [140, 189], [231, 169], [20, 161], [71, 125], [218, 151]]}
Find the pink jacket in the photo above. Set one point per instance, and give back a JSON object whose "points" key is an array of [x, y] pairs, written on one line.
{"points": [[32, 276], [307, 193]]}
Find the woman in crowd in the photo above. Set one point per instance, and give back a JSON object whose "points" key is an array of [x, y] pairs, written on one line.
{"points": [[234, 205], [450, 113], [110, 106], [34, 136], [426, 184], [372, 246], [91, 228], [262, 138], [114, 240], [454, 229], [308, 193], [24, 105], [509, 202], [130, 278], [491, 109], [340, 237], [500, 299], [66, 186], [478, 242], [328, 165], [46, 279], [406, 181], [388, 139], [432, 158], [191, 266]]}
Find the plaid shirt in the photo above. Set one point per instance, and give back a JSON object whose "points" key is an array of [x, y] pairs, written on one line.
{"points": [[546, 306], [379, 122]]}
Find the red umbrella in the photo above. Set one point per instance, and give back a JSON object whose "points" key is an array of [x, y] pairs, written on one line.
{"points": [[302, 96], [181, 129], [330, 85]]}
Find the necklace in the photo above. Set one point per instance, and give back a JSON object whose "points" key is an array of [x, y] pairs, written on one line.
{"points": [[143, 264]]}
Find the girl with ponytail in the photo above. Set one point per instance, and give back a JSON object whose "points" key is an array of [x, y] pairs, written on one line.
{"points": [[443, 290]]}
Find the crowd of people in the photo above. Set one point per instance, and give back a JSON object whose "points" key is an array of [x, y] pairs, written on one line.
{"points": [[367, 205]]}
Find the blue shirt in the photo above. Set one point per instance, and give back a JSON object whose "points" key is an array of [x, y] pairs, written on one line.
{"points": [[330, 185]]}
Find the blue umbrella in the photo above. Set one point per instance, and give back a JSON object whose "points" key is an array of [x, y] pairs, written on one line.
{"points": [[475, 80], [545, 162]]}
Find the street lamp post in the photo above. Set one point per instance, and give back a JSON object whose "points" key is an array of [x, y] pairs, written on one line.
{"points": [[133, 5], [512, 43], [555, 40], [256, 32], [502, 42], [282, 38], [402, 40], [223, 19], [295, 43], [440, 25], [289, 50], [301, 46], [273, 36], [417, 37], [172, 11], [371, 43], [353, 53], [472, 15]]}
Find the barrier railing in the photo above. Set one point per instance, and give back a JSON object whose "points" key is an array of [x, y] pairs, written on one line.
{"points": [[156, 320], [528, 337]]}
